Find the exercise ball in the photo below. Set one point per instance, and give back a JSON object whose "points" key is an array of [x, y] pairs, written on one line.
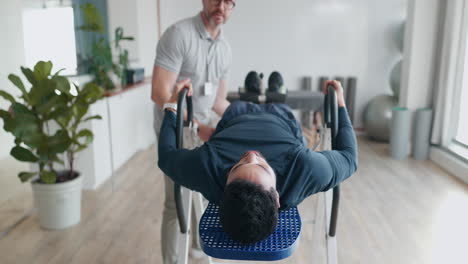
{"points": [[378, 115], [395, 77]]}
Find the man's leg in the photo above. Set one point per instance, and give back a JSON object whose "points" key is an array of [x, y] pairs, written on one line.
{"points": [[169, 224], [234, 110], [191, 140]]}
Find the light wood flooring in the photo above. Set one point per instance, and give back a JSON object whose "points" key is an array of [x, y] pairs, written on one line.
{"points": [[390, 212]]}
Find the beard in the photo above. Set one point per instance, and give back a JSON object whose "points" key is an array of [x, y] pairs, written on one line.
{"points": [[215, 17]]}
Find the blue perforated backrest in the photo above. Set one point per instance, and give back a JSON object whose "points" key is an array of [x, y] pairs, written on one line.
{"points": [[279, 245]]}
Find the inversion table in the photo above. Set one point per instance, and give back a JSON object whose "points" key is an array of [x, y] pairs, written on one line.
{"points": [[285, 239]]}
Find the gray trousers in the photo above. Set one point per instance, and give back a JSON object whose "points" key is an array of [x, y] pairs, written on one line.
{"points": [[170, 225]]}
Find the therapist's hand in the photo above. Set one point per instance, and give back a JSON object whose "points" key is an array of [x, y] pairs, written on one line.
{"points": [[178, 87], [204, 131]]}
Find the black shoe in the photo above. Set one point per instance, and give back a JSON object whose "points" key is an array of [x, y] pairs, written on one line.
{"points": [[275, 83], [252, 83]]}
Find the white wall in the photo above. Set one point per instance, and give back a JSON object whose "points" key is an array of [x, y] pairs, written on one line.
{"points": [[12, 57], [122, 13], [421, 47], [310, 38], [147, 33]]}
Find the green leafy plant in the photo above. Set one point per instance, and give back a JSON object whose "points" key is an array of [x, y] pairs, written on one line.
{"points": [[123, 54], [93, 21], [99, 62], [50, 100]]}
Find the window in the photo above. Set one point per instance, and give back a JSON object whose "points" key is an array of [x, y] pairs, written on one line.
{"points": [[462, 131], [49, 34], [459, 126]]}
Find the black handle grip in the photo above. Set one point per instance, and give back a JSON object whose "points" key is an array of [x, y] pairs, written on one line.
{"points": [[180, 116], [331, 113], [180, 142]]}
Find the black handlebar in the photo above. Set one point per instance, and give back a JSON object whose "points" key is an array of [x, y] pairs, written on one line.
{"points": [[331, 108], [331, 121]]}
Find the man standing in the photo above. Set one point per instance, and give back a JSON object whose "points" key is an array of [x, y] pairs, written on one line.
{"points": [[192, 50]]}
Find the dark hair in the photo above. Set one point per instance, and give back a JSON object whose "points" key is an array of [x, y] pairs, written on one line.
{"points": [[248, 212]]}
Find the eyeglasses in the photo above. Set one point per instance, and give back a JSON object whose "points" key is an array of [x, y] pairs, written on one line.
{"points": [[230, 4]]}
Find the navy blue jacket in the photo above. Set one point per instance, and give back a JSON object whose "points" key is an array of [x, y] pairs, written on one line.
{"points": [[270, 129]]}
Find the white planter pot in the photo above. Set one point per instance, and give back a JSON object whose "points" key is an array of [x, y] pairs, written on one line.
{"points": [[59, 204]]}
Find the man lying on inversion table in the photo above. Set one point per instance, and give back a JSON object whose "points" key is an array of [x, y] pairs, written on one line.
{"points": [[256, 163]]}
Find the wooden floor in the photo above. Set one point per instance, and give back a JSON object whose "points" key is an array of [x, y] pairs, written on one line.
{"points": [[390, 212]]}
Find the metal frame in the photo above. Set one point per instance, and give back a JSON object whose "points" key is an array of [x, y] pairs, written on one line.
{"points": [[183, 196], [331, 121], [332, 197]]}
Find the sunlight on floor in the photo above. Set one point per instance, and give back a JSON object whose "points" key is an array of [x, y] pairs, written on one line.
{"points": [[450, 230]]}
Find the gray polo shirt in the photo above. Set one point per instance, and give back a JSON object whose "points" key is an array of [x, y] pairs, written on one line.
{"points": [[186, 48]]}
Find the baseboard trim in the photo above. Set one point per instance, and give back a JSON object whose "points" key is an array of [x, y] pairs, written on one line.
{"points": [[450, 162]]}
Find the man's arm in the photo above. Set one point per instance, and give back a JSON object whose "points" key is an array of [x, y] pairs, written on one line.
{"points": [[169, 58], [221, 102], [163, 83], [220, 105], [326, 169], [185, 167], [344, 159]]}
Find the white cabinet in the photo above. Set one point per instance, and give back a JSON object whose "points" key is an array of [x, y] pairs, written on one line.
{"points": [[126, 127]]}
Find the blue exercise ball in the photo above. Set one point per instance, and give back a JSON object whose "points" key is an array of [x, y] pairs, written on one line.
{"points": [[378, 116]]}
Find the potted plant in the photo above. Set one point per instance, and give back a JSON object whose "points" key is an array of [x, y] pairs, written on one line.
{"points": [[45, 122]]}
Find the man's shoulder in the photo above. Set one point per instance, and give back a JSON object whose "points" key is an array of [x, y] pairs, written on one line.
{"points": [[179, 31], [184, 24]]}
